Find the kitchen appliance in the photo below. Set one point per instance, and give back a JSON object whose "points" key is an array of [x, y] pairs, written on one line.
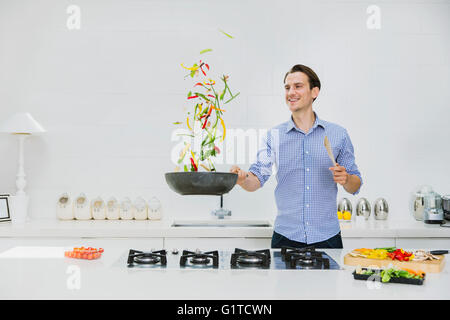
{"points": [[446, 206], [147, 259], [381, 209], [285, 259], [419, 203], [363, 208], [64, 208], [305, 258], [199, 259], [242, 259], [433, 213], [345, 205]]}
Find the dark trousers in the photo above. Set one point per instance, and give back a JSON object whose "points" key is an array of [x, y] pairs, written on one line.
{"points": [[279, 241]]}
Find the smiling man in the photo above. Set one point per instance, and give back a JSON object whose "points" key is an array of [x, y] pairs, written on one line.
{"points": [[306, 177]]}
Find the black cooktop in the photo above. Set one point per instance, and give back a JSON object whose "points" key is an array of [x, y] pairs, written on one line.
{"points": [[286, 258]]}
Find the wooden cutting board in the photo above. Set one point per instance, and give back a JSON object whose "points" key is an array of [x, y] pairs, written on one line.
{"points": [[431, 266]]}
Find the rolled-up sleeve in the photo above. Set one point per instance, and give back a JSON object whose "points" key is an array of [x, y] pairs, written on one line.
{"points": [[346, 158], [262, 167]]}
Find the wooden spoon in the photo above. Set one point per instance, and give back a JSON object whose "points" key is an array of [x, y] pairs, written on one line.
{"points": [[330, 152]]}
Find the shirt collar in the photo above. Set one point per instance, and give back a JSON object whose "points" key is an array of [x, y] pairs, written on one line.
{"points": [[318, 122]]}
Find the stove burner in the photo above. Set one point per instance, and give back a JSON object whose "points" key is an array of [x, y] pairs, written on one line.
{"points": [[147, 258], [199, 258], [244, 258], [307, 258]]}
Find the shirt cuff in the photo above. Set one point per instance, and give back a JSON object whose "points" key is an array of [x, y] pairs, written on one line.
{"points": [[262, 181], [360, 179]]}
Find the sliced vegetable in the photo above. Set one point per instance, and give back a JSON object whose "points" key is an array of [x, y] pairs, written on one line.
{"points": [[84, 253]]}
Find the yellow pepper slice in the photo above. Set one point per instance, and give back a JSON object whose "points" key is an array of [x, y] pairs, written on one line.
{"points": [[187, 123], [191, 68], [184, 150], [224, 129]]}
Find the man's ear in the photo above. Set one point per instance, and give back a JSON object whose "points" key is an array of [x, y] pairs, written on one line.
{"points": [[315, 92]]}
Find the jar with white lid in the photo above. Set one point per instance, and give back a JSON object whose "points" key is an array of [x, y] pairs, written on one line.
{"points": [[98, 209], [64, 208], [154, 209], [140, 209], [81, 208], [126, 209], [112, 209]]}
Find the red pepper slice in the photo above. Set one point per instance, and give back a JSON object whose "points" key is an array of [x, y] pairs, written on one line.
{"points": [[206, 120], [192, 97], [193, 164]]}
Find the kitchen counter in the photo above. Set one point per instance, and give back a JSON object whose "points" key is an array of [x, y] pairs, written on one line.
{"points": [[154, 229], [43, 273]]}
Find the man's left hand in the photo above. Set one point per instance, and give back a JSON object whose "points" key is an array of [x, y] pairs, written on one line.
{"points": [[340, 175]]}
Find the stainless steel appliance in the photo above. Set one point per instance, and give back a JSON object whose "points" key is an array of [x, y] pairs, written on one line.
{"points": [[345, 205], [363, 208], [419, 204], [446, 206], [381, 209], [433, 213], [286, 258]]}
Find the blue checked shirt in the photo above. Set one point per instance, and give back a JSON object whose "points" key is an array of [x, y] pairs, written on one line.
{"points": [[306, 193]]}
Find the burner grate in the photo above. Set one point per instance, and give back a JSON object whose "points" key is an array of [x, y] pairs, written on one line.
{"points": [[143, 258], [246, 258], [199, 258], [307, 258]]}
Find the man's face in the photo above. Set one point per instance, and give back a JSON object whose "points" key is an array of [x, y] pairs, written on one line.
{"points": [[297, 91]]}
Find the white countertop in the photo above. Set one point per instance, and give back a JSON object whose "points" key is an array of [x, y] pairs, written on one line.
{"points": [[109, 278], [150, 229]]}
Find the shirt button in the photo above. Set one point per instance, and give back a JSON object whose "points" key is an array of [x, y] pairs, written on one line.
{"points": [[307, 205], [307, 169], [307, 188], [307, 223], [306, 152]]}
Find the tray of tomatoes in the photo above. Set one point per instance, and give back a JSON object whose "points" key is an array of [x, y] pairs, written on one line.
{"points": [[88, 253]]}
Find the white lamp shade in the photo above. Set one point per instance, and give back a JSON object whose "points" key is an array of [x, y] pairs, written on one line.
{"points": [[21, 123]]}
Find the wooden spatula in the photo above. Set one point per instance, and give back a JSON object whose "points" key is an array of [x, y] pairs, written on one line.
{"points": [[330, 152]]}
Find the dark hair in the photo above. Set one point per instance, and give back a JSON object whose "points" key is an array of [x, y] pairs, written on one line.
{"points": [[312, 76]]}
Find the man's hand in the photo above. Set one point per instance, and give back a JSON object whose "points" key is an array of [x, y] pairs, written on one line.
{"points": [[340, 175], [242, 175]]}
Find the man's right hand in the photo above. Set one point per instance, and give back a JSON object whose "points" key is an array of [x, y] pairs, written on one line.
{"points": [[242, 175]]}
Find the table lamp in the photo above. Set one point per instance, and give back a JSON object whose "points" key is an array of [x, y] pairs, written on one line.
{"points": [[22, 125]]}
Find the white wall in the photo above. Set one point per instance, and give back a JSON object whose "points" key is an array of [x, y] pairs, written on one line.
{"points": [[109, 92]]}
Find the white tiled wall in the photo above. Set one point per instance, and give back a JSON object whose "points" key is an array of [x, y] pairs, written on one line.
{"points": [[109, 92]]}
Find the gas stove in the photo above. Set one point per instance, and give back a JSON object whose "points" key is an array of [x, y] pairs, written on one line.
{"points": [[287, 258]]}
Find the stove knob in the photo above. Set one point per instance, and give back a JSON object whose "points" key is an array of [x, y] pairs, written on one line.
{"points": [[174, 251]]}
